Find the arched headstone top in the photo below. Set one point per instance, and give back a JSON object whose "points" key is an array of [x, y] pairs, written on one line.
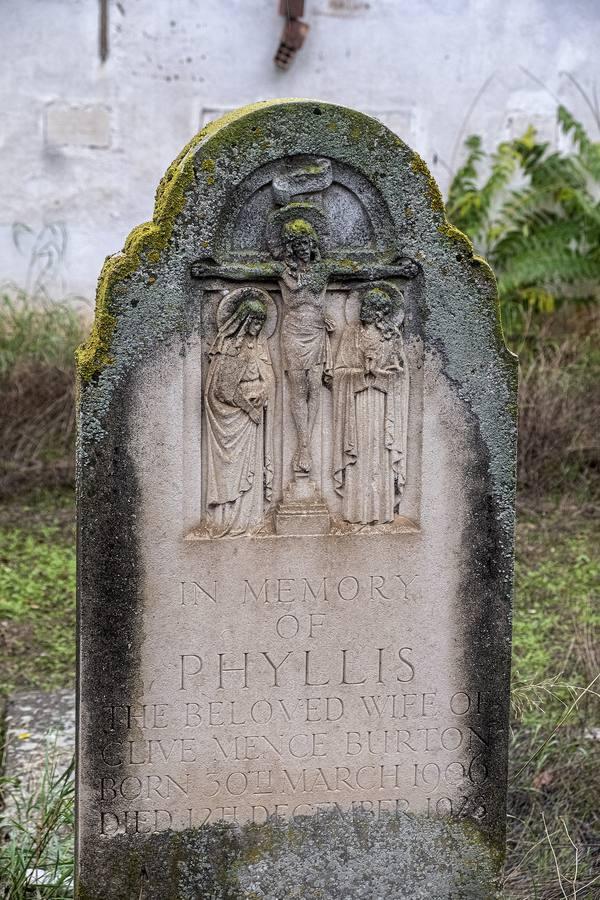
{"points": [[296, 468], [231, 159]]}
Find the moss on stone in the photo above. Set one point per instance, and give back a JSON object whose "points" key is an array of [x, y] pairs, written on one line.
{"points": [[460, 239], [153, 237], [313, 170], [464, 245], [233, 129], [150, 238], [419, 167], [299, 228], [94, 354], [484, 268], [347, 263], [264, 268], [208, 166]]}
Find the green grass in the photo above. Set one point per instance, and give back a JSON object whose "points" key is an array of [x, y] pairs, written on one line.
{"points": [[554, 825], [557, 614], [37, 862], [37, 594]]}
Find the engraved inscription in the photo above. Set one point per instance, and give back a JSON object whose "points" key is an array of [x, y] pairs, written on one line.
{"points": [[306, 722]]}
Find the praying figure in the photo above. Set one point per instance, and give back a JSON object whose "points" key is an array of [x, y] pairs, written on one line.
{"points": [[370, 391], [239, 403]]}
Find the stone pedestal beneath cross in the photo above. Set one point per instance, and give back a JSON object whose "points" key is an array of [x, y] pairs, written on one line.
{"points": [[296, 500]]}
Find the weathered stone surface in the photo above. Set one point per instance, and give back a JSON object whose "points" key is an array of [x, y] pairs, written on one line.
{"points": [[38, 723], [296, 479]]}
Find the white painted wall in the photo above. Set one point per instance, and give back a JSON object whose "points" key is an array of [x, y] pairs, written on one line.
{"points": [[84, 143]]}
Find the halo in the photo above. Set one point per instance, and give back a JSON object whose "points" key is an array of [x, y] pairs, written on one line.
{"points": [[232, 299], [354, 300], [310, 212]]}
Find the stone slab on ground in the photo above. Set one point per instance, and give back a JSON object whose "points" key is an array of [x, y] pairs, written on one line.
{"points": [[40, 731]]}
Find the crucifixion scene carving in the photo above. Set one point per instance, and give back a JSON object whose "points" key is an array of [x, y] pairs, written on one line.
{"points": [[292, 242]]}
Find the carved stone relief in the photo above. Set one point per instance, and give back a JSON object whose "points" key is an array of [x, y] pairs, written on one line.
{"points": [[238, 404], [250, 701], [371, 385], [295, 210]]}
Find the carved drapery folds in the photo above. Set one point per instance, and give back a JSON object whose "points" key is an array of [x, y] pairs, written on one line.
{"points": [[238, 406], [371, 385], [317, 244]]}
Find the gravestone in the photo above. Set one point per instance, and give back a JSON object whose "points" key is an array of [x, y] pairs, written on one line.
{"points": [[296, 470]]}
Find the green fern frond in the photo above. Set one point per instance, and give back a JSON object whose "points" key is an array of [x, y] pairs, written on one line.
{"points": [[536, 216], [588, 150], [570, 125], [529, 150], [541, 264], [463, 196], [505, 162], [539, 299], [556, 170]]}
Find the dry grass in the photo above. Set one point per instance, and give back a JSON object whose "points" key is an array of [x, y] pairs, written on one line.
{"points": [[559, 400], [553, 847], [37, 391]]}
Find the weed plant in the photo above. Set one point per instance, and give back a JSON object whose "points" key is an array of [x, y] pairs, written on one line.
{"points": [[534, 212], [559, 406], [553, 847], [36, 856]]}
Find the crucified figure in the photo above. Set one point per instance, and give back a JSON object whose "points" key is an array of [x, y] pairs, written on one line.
{"points": [[305, 332], [303, 277]]}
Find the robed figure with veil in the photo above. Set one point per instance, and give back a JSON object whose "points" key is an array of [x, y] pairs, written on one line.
{"points": [[239, 404], [370, 386]]}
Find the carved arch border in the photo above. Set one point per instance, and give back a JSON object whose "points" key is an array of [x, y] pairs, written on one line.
{"points": [[366, 193]]}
